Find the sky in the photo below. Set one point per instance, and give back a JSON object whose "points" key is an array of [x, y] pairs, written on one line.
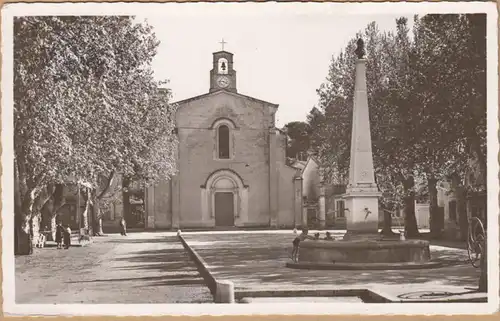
{"points": [[280, 56]]}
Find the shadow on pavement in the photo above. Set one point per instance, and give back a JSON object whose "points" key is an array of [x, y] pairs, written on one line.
{"points": [[261, 259], [172, 262], [126, 239], [140, 279]]}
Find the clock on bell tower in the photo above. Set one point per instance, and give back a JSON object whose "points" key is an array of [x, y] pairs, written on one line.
{"points": [[222, 76]]}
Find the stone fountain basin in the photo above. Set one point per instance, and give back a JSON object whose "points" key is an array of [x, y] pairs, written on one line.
{"points": [[364, 254]]}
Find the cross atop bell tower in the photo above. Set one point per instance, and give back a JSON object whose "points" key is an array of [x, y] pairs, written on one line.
{"points": [[222, 75], [222, 43]]}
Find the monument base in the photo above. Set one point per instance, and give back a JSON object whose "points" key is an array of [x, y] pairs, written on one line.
{"points": [[370, 253], [362, 217], [365, 266], [362, 236]]}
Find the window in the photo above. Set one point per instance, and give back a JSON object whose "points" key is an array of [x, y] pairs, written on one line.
{"points": [[340, 208], [222, 69], [223, 138], [453, 210], [223, 142]]}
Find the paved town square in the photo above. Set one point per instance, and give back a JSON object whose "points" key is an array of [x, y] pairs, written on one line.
{"points": [[257, 261], [153, 267], [139, 268]]}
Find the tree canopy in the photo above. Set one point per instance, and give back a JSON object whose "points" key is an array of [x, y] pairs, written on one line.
{"points": [[86, 104], [426, 96], [298, 138]]}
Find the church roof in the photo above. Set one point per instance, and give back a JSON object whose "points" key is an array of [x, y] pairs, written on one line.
{"points": [[227, 92], [224, 51]]}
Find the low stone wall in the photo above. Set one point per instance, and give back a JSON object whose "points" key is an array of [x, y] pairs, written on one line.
{"points": [[364, 251], [201, 265]]}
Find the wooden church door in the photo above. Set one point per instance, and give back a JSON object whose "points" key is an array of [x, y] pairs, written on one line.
{"points": [[224, 209]]}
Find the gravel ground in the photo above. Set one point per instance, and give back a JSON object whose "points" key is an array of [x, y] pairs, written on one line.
{"points": [[138, 268]]}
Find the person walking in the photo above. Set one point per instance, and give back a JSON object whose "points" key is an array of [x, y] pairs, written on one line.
{"points": [[59, 235], [123, 227], [67, 237]]}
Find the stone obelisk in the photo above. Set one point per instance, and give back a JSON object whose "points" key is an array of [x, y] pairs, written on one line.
{"points": [[361, 198]]}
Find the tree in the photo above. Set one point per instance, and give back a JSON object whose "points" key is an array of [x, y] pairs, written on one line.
{"points": [[331, 141], [41, 144], [450, 86], [97, 113], [388, 90], [298, 139], [427, 110], [394, 149]]}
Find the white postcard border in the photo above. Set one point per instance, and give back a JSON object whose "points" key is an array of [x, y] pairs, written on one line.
{"points": [[11, 308]]}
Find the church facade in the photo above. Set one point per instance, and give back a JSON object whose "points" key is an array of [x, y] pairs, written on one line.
{"points": [[231, 168]]}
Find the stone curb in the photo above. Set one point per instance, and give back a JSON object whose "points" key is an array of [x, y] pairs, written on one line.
{"points": [[364, 266], [367, 295], [222, 291], [201, 265]]}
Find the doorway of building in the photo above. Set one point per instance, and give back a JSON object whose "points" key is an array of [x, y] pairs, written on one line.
{"points": [[312, 219], [224, 209]]}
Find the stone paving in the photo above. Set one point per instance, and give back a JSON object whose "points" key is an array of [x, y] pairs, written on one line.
{"points": [[154, 268], [138, 268], [256, 261]]}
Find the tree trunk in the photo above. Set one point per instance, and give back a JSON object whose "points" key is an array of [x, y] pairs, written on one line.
{"points": [[47, 210], [460, 194], [97, 201], [481, 160], [22, 228], [25, 223], [22, 241], [463, 219], [483, 277], [59, 200], [38, 206], [85, 214], [53, 226], [17, 209], [126, 199], [97, 226], [411, 227], [24, 245], [387, 228], [35, 221], [99, 229], [435, 226], [90, 213], [31, 197]]}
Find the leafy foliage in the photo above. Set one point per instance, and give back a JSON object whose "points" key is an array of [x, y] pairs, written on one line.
{"points": [[86, 105], [427, 100], [298, 138]]}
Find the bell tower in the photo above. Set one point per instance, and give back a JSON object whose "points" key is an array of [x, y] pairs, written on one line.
{"points": [[222, 75]]}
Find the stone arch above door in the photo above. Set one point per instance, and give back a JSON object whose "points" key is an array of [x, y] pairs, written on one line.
{"points": [[224, 181]]}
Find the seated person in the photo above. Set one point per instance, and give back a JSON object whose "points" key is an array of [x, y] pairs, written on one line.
{"points": [[328, 236]]}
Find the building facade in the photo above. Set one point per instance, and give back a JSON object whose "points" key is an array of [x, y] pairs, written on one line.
{"points": [[231, 163]]}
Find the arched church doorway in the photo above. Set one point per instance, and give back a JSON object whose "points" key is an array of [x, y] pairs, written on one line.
{"points": [[224, 199]]}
